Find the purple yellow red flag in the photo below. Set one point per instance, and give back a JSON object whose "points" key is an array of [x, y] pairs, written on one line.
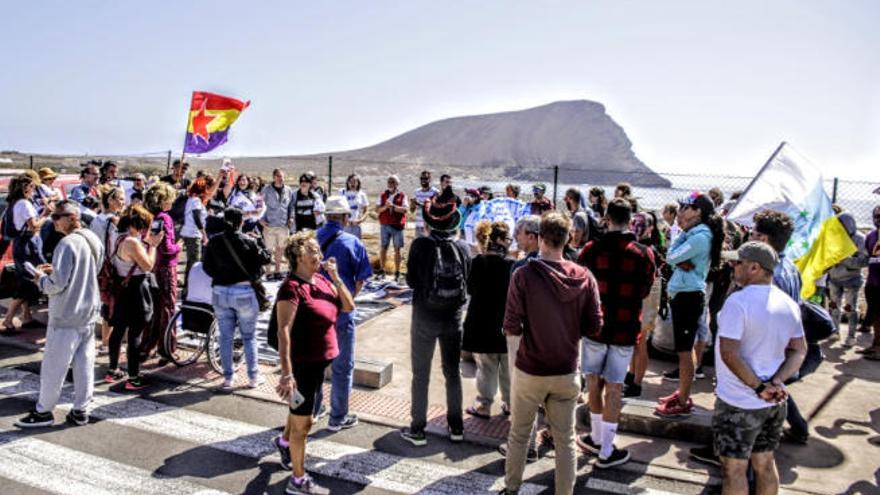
{"points": [[210, 116]]}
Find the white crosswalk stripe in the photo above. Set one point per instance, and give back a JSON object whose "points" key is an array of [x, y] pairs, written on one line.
{"points": [[61, 470], [333, 459]]}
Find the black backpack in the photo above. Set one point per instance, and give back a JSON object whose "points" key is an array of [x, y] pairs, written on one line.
{"points": [[178, 209], [9, 231], [448, 286]]}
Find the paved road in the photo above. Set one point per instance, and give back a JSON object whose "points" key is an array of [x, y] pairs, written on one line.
{"points": [[175, 439]]}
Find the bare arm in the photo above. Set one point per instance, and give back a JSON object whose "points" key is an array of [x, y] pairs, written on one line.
{"points": [[357, 287], [286, 312], [133, 249], [730, 356], [794, 357]]}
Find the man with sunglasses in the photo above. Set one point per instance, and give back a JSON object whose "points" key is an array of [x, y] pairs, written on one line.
{"points": [[71, 282], [760, 344]]}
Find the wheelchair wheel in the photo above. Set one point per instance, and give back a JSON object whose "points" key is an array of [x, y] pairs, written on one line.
{"points": [[188, 345], [214, 350]]}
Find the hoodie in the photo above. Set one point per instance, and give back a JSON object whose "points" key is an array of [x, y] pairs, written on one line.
{"points": [[848, 273], [692, 245], [551, 304], [72, 287]]}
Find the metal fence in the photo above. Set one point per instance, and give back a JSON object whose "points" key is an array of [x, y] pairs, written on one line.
{"points": [[652, 189]]}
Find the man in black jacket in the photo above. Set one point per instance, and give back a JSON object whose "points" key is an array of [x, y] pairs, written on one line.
{"points": [[233, 260], [437, 270]]}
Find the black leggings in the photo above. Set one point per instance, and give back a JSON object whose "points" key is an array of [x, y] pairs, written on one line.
{"points": [[129, 318]]}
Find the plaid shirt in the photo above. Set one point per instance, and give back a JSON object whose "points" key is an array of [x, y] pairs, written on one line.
{"points": [[625, 271]]}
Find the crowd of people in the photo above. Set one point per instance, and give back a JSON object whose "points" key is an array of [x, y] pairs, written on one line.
{"points": [[555, 306]]}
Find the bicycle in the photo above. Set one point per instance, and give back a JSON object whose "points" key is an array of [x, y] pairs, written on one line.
{"points": [[193, 331]]}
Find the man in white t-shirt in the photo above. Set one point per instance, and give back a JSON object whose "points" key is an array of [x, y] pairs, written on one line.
{"points": [[425, 193], [760, 344]]}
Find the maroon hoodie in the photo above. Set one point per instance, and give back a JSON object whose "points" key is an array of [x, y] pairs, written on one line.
{"points": [[552, 304]]}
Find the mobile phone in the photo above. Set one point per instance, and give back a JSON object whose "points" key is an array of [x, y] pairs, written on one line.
{"points": [[156, 227], [296, 399]]}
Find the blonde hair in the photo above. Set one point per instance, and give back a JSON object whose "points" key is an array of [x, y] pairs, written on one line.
{"points": [[481, 234], [296, 246], [107, 191], [157, 195]]}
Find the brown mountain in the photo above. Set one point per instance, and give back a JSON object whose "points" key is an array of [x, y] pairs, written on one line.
{"points": [[578, 136]]}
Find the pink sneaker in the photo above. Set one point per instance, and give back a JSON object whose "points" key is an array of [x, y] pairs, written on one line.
{"points": [[673, 395]]}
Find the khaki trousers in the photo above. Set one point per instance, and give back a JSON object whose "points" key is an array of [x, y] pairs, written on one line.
{"points": [[558, 394]]}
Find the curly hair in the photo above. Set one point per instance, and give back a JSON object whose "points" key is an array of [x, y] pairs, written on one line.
{"points": [[17, 187], [296, 246], [201, 188], [777, 226], [481, 233], [157, 195]]}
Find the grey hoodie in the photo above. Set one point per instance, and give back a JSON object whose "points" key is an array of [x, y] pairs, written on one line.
{"points": [[72, 287], [848, 273]]}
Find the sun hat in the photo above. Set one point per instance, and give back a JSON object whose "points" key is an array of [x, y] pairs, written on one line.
{"points": [[47, 173], [337, 205]]}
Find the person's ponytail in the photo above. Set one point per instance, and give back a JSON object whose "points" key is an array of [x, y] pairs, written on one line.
{"points": [[716, 226]]}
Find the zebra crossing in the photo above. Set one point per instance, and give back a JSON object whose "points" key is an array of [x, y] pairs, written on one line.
{"points": [[26, 459]]}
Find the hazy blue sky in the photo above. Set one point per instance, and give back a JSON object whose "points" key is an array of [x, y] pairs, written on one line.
{"points": [[698, 86]]}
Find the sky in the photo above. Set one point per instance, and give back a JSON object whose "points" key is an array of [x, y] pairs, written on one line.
{"points": [[698, 86]]}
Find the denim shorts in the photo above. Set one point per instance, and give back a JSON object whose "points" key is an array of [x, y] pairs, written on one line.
{"points": [[611, 362], [389, 233]]}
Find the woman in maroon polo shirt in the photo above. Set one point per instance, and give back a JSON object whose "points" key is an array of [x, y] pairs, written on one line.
{"points": [[307, 306]]}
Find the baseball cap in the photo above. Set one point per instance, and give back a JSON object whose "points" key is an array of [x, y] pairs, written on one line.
{"points": [[698, 200], [759, 252], [539, 187]]}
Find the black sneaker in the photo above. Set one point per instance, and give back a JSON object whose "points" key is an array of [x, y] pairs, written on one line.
{"points": [[671, 375], [699, 374], [79, 418], [456, 435], [416, 438], [531, 453], [617, 457], [586, 443], [349, 421], [630, 379], [791, 436], [283, 452], [505, 491], [632, 390], [706, 455], [306, 487], [36, 420]]}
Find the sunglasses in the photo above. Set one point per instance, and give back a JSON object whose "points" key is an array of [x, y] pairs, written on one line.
{"points": [[59, 216]]}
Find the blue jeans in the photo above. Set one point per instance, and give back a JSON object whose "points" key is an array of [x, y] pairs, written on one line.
{"points": [[237, 304], [343, 370]]}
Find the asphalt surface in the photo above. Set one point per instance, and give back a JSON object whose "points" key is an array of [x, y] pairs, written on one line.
{"points": [[181, 439]]}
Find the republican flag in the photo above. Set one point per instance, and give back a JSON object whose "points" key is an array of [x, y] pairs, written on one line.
{"points": [[793, 185], [210, 116]]}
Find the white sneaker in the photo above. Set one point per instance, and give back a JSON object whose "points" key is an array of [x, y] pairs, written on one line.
{"points": [[227, 385], [256, 382]]}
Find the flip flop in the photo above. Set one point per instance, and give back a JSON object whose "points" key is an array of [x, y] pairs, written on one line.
{"points": [[32, 324], [476, 413]]}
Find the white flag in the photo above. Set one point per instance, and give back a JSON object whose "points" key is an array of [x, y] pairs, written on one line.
{"points": [[789, 183]]}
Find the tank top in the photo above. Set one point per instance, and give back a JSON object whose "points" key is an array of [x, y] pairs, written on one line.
{"points": [[124, 267]]}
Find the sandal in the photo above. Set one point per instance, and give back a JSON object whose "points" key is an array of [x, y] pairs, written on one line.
{"points": [[10, 330], [473, 411]]}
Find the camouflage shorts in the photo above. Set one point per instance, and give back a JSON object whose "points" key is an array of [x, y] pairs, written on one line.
{"points": [[740, 432]]}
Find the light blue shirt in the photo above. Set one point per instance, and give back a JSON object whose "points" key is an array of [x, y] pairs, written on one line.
{"points": [[693, 245]]}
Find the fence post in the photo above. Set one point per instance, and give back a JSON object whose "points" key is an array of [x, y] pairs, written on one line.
{"points": [[330, 175], [32, 162], [555, 182], [168, 163], [834, 191]]}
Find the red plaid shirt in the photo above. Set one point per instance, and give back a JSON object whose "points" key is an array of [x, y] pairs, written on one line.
{"points": [[625, 271]]}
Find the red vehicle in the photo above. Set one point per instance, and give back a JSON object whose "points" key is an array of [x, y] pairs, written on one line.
{"points": [[64, 182]]}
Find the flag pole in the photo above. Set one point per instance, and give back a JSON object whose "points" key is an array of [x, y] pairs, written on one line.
{"points": [[186, 127], [752, 183]]}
